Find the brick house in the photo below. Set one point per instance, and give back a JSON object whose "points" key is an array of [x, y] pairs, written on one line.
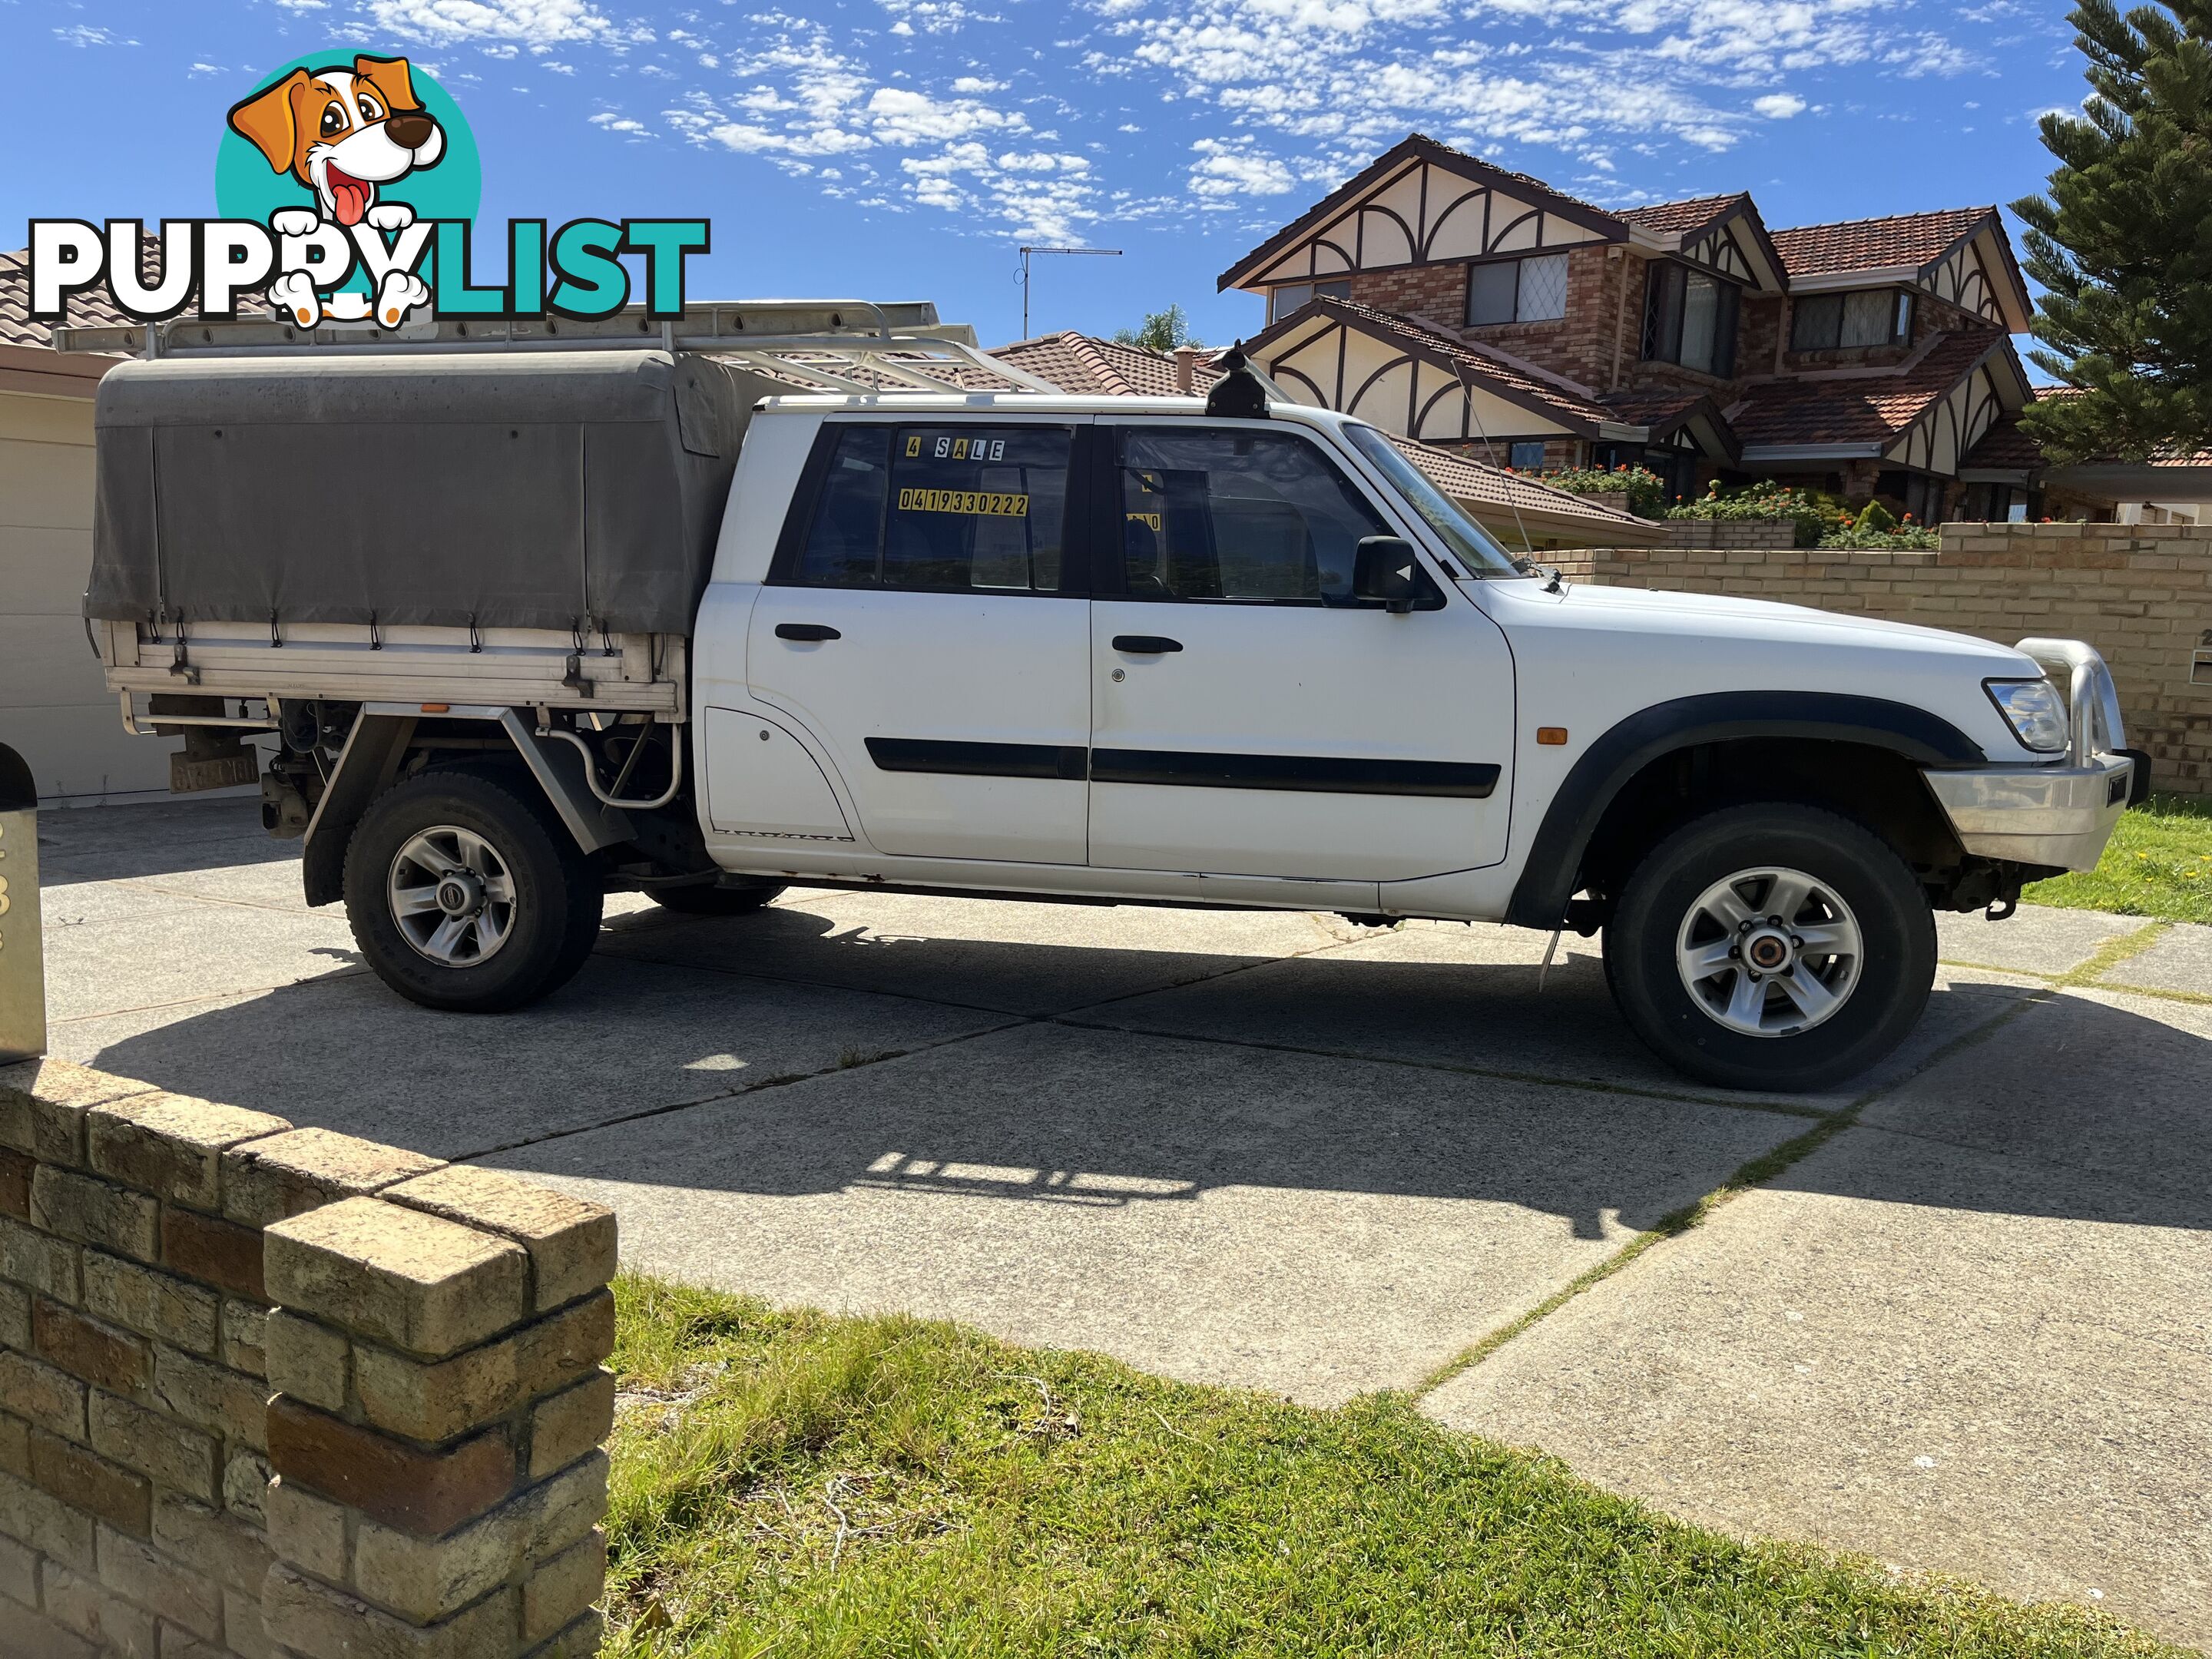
{"points": [[1481, 310]]}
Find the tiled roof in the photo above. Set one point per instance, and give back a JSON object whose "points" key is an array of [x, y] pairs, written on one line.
{"points": [[1670, 218], [1470, 480], [1532, 390], [2006, 446], [1902, 239], [1084, 363], [1873, 409], [1659, 406], [92, 309]]}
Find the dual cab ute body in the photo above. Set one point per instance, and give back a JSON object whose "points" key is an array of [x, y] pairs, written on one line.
{"points": [[636, 619]]}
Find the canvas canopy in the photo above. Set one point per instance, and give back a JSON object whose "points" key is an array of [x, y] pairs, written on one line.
{"points": [[576, 489]]}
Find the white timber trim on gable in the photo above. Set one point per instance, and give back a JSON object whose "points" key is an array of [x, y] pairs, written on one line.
{"points": [[1328, 365], [1426, 213], [1969, 278], [1947, 432], [1728, 248]]}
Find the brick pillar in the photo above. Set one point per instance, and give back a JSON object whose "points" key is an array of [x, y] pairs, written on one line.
{"points": [[436, 1431]]}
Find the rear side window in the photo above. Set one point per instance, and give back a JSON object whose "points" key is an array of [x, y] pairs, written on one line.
{"points": [[1237, 515], [941, 508]]}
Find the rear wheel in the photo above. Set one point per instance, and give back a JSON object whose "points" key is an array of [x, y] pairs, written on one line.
{"points": [[1775, 947], [464, 896], [707, 899]]}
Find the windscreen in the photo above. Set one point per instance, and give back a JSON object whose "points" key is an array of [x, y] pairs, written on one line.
{"points": [[1460, 534]]}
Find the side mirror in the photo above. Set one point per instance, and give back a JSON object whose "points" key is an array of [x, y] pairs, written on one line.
{"points": [[1386, 569]]}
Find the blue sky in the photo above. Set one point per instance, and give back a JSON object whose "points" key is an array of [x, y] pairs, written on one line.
{"points": [[903, 149]]}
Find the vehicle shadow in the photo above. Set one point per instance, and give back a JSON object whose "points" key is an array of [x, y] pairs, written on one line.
{"points": [[163, 838], [1435, 1079]]}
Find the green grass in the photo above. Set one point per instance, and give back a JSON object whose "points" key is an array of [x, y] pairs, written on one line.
{"points": [[795, 1484], [2159, 865]]}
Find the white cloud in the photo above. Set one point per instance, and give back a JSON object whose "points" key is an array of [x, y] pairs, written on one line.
{"points": [[534, 23], [613, 123], [1332, 81], [83, 34], [1226, 171]]}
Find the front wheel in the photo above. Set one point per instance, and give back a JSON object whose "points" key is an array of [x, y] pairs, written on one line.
{"points": [[465, 896], [1773, 947]]}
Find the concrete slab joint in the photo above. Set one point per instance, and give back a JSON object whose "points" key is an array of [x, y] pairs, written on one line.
{"points": [[283, 1392]]}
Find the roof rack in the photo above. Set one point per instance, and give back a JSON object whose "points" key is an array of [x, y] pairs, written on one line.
{"points": [[836, 343]]}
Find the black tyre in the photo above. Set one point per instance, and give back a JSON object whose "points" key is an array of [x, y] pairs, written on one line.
{"points": [[466, 895], [1774, 947], [709, 900]]}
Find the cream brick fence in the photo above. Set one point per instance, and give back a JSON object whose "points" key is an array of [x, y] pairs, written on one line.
{"points": [[2140, 593], [270, 1392]]}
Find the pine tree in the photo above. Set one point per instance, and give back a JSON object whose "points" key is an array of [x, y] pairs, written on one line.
{"points": [[2122, 242]]}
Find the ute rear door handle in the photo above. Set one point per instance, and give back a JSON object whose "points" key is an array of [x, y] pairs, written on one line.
{"points": [[1145, 644], [810, 633]]}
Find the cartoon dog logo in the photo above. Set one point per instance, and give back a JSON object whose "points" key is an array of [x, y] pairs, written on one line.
{"points": [[344, 132]]}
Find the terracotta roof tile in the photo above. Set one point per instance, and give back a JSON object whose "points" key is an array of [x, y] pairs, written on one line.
{"points": [[2005, 445], [1860, 410], [1084, 363], [92, 309], [1901, 239], [1668, 218], [1470, 480]]}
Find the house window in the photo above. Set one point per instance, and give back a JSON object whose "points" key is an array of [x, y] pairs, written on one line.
{"points": [[1517, 291], [1282, 302], [1526, 458], [1690, 318], [1840, 322]]}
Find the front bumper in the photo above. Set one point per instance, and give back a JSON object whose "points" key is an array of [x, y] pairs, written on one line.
{"points": [[2058, 815]]}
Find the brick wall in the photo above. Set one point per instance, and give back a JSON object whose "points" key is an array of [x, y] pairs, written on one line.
{"points": [[271, 1392], [2141, 594], [1579, 346]]}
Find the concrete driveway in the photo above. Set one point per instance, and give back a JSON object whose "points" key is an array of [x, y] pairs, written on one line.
{"points": [[1962, 1329]]}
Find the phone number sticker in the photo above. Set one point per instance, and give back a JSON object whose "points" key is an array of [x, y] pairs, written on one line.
{"points": [[973, 503]]}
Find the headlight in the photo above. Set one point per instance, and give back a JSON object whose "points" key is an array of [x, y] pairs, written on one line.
{"points": [[2034, 710]]}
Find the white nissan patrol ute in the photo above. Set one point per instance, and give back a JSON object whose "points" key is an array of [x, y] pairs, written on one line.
{"points": [[626, 623]]}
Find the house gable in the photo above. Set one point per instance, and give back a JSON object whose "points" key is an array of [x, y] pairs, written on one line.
{"points": [[1422, 203]]}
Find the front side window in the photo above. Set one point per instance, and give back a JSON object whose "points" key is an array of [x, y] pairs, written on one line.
{"points": [[1237, 515], [1836, 322], [946, 509], [1460, 534], [1282, 302], [1517, 291], [1690, 318]]}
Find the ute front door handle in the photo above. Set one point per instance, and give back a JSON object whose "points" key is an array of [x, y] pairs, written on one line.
{"points": [[810, 633], [1145, 644]]}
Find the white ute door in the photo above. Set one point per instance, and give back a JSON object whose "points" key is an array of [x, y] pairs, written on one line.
{"points": [[924, 626], [1251, 718]]}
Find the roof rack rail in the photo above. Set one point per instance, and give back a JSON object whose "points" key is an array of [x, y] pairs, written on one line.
{"points": [[835, 344]]}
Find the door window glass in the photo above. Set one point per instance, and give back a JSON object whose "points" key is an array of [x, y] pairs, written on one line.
{"points": [[946, 509], [1237, 515]]}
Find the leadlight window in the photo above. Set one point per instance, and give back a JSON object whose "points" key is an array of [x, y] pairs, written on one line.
{"points": [[1282, 302], [1532, 290], [1842, 322], [1690, 317]]}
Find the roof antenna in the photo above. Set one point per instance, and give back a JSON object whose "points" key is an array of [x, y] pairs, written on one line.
{"points": [[1239, 394]]}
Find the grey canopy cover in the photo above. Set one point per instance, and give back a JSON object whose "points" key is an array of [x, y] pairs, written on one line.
{"points": [[575, 490]]}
